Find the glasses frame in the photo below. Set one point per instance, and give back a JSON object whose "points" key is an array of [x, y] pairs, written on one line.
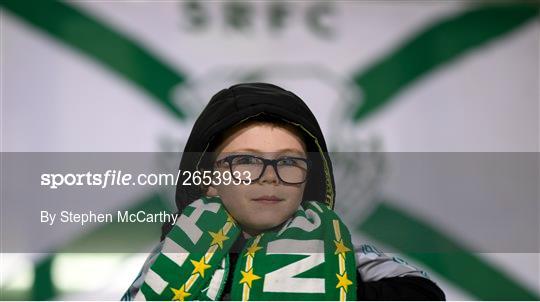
{"points": [[267, 162]]}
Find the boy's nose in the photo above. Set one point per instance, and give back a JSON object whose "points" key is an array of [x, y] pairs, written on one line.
{"points": [[269, 175]]}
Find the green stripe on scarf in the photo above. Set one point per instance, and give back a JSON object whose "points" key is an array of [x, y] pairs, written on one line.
{"points": [[309, 258]]}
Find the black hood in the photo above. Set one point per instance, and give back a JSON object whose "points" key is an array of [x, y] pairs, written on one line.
{"points": [[242, 102]]}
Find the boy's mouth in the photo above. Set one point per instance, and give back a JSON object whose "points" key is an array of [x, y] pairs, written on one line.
{"points": [[267, 199]]}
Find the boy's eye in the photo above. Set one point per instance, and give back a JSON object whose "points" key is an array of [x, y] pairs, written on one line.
{"points": [[289, 162], [246, 160]]}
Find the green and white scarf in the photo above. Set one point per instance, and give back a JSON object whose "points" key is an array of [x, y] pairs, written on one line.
{"points": [[309, 258]]}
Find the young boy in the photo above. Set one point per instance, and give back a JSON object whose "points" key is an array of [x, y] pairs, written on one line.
{"points": [[263, 228]]}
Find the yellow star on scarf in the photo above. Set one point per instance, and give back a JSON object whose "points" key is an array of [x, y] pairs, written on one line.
{"points": [[180, 294], [248, 277], [218, 238], [252, 249], [343, 281], [200, 266], [341, 248]]}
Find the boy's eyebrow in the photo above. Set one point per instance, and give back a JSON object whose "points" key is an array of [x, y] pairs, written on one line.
{"points": [[280, 151]]}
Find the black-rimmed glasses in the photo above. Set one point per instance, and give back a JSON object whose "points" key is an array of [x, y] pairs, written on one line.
{"points": [[289, 170]]}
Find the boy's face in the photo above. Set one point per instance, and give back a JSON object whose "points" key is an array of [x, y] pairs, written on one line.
{"points": [[243, 202]]}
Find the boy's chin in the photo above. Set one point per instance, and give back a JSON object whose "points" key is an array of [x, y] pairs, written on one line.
{"points": [[262, 226]]}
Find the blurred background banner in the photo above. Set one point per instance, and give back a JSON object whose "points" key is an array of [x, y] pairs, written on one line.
{"points": [[430, 109]]}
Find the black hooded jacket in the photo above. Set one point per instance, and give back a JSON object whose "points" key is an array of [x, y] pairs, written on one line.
{"points": [[256, 101], [242, 102]]}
